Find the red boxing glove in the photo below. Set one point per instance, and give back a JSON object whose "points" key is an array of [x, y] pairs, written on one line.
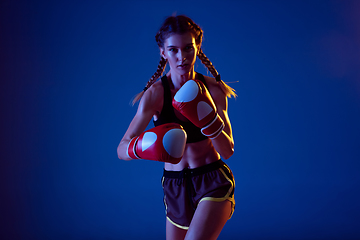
{"points": [[194, 102], [164, 143]]}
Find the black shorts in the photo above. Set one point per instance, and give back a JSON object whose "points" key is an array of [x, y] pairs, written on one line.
{"points": [[184, 190]]}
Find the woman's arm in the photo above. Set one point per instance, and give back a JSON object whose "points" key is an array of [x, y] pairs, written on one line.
{"points": [[224, 143], [148, 106]]}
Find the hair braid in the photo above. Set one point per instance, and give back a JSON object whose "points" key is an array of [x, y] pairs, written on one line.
{"points": [[157, 74], [205, 60], [229, 91]]}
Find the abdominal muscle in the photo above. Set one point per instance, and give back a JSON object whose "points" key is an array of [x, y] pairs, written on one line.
{"points": [[195, 155]]}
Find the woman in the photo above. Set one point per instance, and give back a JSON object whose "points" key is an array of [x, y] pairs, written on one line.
{"points": [[198, 185]]}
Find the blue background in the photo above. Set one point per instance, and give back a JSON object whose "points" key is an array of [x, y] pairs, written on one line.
{"points": [[70, 68]]}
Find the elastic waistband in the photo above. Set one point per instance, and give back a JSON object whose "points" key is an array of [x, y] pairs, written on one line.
{"points": [[187, 172]]}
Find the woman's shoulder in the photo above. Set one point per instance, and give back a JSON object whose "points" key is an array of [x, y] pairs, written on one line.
{"points": [[216, 92], [156, 91], [154, 95], [213, 86], [209, 80]]}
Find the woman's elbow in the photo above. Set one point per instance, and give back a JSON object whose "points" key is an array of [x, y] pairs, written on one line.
{"points": [[118, 153], [228, 153], [122, 154]]}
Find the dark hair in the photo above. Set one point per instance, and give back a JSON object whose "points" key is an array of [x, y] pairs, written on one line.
{"points": [[182, 24]]}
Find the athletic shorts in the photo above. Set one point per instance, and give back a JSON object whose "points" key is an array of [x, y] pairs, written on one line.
{"points": [[184, 190]]}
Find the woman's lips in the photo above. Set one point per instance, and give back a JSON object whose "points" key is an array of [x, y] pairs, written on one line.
{"points": [[183, 66]]}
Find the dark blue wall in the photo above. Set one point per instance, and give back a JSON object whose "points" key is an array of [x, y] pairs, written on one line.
{"points": [[70, 68]]}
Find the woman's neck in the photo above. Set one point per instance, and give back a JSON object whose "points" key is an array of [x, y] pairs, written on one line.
{"points": [[179, 80]]}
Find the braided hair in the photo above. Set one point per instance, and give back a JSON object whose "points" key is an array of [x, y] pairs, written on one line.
{"points": [[182, 24], [229, 91]]}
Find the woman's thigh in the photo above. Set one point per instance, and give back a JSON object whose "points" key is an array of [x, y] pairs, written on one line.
{"points": [[209, 219], [173, 232]]}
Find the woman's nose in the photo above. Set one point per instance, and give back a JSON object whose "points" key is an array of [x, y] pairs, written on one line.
{"points": [[181, 56]]}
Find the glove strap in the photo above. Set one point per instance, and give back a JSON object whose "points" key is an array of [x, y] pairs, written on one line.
{"points": [[214, 128], [131, 148]]}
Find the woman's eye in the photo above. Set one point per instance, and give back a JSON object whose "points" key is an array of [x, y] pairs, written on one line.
{"points": [[172, 50], [189, 48]]}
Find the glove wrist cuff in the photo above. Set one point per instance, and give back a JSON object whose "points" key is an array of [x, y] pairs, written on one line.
{"points": [[214, 128], [131, 148]]}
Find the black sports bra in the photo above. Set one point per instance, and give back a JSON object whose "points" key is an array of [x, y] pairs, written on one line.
{"points": [[167, 114]]}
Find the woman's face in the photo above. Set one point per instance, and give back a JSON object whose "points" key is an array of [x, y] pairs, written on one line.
{"points": [[180, 51]]}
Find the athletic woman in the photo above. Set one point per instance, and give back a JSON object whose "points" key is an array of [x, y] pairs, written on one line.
{"points": [[192, 134]]}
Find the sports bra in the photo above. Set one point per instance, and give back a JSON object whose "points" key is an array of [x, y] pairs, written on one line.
{"points": [[167, 114]]}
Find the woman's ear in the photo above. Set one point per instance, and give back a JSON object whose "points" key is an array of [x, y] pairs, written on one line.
{"points": [[162, 53]]}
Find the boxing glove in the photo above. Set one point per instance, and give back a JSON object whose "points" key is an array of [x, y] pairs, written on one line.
{"points": [[164, 143], [194, 101]]}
